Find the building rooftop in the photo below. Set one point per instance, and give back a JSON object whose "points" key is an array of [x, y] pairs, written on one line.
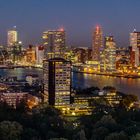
{"points": [[57, 59]]}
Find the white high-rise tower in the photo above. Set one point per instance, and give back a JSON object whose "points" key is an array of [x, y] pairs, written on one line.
{"points": [[12, 37]]}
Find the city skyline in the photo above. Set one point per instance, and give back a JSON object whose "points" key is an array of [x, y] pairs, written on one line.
{"points": [[69, 70], [42, 16]]}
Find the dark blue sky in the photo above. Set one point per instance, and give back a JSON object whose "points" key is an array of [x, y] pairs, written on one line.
{"points": [[78, 17]]}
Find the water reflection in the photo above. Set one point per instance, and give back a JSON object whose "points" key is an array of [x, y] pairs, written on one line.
{"points": [[130, 86]]}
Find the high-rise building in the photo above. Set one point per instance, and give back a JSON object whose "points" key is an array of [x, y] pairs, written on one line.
{"points": [[108, 56], [81, 53], [3, 55], [57, 82], [30, 55], [39, 55], [54, 42], [135, 44], [97, 43], [12, 37], [16, 52], [132, 56]]}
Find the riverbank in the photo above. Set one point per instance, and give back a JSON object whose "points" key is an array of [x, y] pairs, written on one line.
{"points": [[17, 66], [110, 74]]}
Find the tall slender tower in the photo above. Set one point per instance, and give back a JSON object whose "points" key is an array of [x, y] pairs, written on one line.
{"points": [[97, 43], [12, 37]]}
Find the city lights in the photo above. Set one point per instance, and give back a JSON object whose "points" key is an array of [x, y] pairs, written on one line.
{"points": [[69, 70]]}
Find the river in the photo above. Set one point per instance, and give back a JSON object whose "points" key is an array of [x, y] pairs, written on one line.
{"points": [[129, 86]]}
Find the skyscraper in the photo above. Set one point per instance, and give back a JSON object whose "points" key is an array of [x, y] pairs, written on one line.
{"points": [[97, 43], [39, 55], [12, 37], [16, 52], [57, 81], [54, 41], [135, 44], [30, 55], [108, 56]]}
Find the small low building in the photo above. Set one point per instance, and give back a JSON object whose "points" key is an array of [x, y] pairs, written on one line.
{"points": [[31, 78], [13, 99], [112, 97]]}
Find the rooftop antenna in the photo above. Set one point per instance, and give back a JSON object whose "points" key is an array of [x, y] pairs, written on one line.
{"points": [[15, 27], [134, 30]]}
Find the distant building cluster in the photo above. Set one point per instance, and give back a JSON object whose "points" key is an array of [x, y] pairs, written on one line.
{"points": [[103, 56]]}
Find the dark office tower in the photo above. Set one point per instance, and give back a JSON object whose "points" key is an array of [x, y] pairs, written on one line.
{"points": [[97, 43], [54, 43], [57, 82]]}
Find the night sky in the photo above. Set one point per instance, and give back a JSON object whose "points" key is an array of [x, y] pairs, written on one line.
{"points": [[78, 17]]}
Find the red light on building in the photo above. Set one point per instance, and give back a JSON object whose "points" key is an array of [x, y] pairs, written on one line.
{"points": [[41, 48], [61, 29]]}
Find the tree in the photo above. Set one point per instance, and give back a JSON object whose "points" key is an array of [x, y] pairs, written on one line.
{"points": [[22, 106], [109, 88], [6, 111], [58, 139], [84, 122], [99, 101], [99, 133], [129, 100], [30, 134], [80, 135], [108, 122], [132, 130], [70, 128], [106, 119], [136, 137], [117, 136], [10, 130], [91, 90], [48, 121], [46, 110]]}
